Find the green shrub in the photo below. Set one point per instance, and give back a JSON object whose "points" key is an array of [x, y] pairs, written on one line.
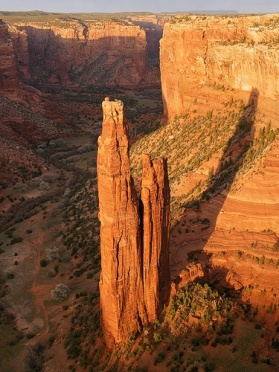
{"points": [[43, 263], [208, 367], [52, 274], [51, 340], [16, 239], [159, 358], [29, 335]]}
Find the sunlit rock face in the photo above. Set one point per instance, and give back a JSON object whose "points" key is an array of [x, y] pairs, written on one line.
{"points": [[225, 52], [134, 281], [205, 62]]}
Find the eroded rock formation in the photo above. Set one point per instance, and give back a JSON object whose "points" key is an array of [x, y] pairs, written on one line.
{"points": [[205, 61], [76, 53], [219, 52], [155, 233], [134, 233]]}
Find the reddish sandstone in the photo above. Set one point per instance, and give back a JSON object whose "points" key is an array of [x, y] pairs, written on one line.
{"points": [[134, 233], [156, 225], [224, 53]]}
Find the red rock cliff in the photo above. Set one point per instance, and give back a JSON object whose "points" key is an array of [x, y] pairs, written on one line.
{"points": [[9, 79], [71, 52], [134, 234], [234, 52], [205, 62]]}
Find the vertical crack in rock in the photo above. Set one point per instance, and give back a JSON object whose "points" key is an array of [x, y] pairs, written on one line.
{"points": [[156, 225], [135, 280]]}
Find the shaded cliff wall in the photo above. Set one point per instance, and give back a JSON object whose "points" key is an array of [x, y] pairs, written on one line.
{"points": [[153, 27], [230, 52], [95, 53], [9, 74], [134, 234]]}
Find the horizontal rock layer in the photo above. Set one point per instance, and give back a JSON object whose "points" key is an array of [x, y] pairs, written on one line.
{"points": [[233, 52], [205, 61], [71, 52]]}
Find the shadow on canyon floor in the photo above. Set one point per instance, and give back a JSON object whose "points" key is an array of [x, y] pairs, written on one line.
{"points": [[222, 179]]}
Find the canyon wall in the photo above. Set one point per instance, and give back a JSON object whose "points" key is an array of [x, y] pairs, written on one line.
{"points": [[153, 27], [221, 52], [209, 65], [134, 233], [9, 74], [92, 53]]}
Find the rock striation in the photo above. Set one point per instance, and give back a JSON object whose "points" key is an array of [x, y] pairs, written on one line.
{"points": [[218, 52], [134, 234], [80, 54], [205, 61], [154, 213]]}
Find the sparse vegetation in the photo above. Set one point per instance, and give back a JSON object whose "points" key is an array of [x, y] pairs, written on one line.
{"points": [[200, 328], [84, 331], [35, 358], [81, 234], [232, 126], [61, 292]]}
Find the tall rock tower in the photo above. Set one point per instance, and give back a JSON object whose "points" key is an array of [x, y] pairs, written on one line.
{"points": [[134, 233]]}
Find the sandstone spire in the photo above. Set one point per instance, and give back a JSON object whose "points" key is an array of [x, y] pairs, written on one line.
{"points": [[155, 218], [134, 232]]}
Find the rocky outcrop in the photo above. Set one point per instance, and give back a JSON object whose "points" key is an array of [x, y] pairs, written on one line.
{"points": [[190, 273], [221, 52], [68, 52], [134, 233]]}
